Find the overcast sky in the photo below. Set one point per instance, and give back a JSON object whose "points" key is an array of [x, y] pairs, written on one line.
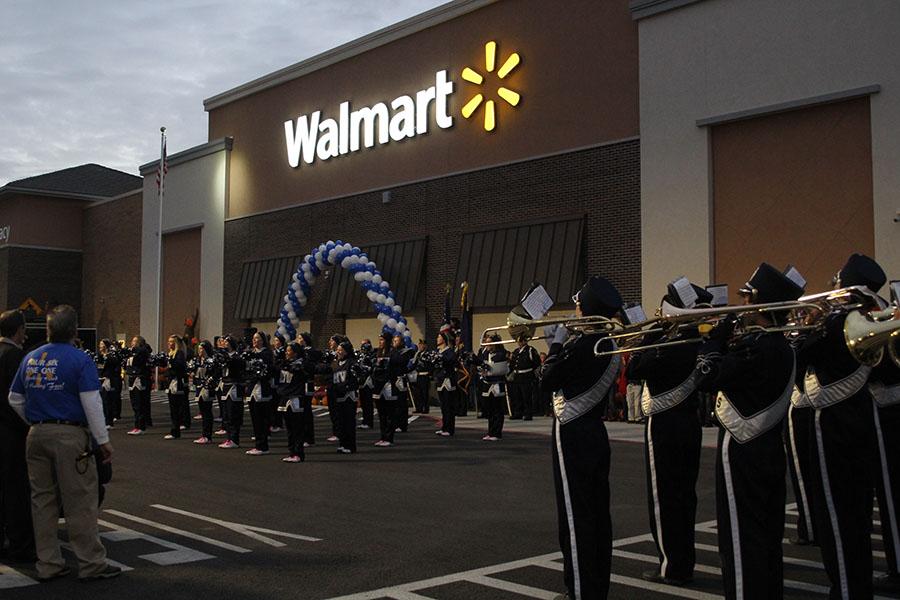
{"points": [[92, 81]]}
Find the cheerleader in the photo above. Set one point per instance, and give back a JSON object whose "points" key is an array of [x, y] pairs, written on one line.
{"points": [[110, 370], [343, 394], [259, 393], [206, 379], [233, 393], [276, 417], [445, 380], [402, 384], [221, 348], [333, 343], [137, 373], [177, 392], [367, 389], [305, 341], [292, 380], [494, 366]]}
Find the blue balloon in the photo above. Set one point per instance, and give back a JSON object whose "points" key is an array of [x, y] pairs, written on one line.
{"points": [[355, 250], [339, 243], [390, 295]]}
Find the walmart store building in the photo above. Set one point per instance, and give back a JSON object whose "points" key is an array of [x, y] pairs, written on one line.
{"points": [[502, 142]]}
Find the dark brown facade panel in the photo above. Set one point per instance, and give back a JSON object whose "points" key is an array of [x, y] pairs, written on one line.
{"points": [[111, 296], [602, 183], [578, 81], [794, 187], [48, 277], [180, 280], [263, 284]]}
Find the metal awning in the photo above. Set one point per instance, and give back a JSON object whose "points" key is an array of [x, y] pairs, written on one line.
{"points": [[401, 266], [500, 264], [263, 286]]}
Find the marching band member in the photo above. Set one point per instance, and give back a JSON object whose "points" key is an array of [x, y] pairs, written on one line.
{"points": [[259, 393], [137, 374], [422, 369], [884, 385], [754, 379], [343, 393], [206, 380], [524, 364], [580, 382], [366, 390], [393, 365], [110, 381], [305, 342], [673, 436], [401, 384], [445, 380], [233, 393], [493, 367], [844, 453], [333, 343], [292, 382], [178, 387]]}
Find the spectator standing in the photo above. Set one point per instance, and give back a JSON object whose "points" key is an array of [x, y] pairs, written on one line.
{"points": [[57, 391]]}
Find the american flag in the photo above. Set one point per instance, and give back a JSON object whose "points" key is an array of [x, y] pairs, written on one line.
{"points": [[163, 169]]}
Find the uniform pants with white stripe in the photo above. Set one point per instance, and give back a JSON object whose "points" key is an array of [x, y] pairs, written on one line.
{"points": [[581, 475], [750, 495], [672, 457], [888, 482], [844, 457], [798, 432]]}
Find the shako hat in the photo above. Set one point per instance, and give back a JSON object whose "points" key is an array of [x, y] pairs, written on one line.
{"points": [[598, 297], [861, 270], [768, 284]]}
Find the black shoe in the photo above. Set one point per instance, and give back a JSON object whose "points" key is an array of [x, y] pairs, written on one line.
{"points": [[108, 572], [64, 572], [799, 541], [654, 576]]}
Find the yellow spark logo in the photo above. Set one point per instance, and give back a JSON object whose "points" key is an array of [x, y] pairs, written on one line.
{"points": [[472, 76]]}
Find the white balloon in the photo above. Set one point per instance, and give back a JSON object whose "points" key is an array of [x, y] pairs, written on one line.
{"points": [[398, 308], [358, 276], [364, 260], [389, 301], [331, 255], [370, 295], [345, 262], [381, 298], [382, 317], [321, 248], [377, 279], [392, 323], [320, 263], [302, 301], [329, 242], [292, 315], [304, 267], [347, 247], [367, 276], [295, 286], [295, 278]]}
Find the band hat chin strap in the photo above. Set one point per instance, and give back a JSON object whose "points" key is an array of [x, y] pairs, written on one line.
{"points": [[569, 410], [650, 405], [885, 395], [823, 396], [744, 429], [799, 399]]}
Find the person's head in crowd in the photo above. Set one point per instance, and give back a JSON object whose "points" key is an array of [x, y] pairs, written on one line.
{"points": [[292, 351], [205, 349], [138, 342], [277, 341], [421, 344], [543, 356], [344, 350], [521, 340], [231, 343], [259, 341], [305, 339], [443, 339], [397, 343], [62, 325], [12, 326], [105, 346], [175, 344]]}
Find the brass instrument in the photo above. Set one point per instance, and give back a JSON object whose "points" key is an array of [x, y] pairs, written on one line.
{"points": [[867, 335], [518, 324]]}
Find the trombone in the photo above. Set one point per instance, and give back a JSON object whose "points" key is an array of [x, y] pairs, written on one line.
{"points": [[518, 324]]}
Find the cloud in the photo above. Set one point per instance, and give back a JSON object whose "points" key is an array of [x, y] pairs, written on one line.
{"points": [[92, 81]]}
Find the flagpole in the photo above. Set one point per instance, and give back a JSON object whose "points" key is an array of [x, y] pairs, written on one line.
{"points": [[159, 266]]}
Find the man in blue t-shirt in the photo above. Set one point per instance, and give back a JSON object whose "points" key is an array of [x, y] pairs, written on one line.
{"points": [[57, 391]]}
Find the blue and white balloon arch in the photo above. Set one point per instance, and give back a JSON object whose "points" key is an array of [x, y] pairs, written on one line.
{"points": [[364, 271]]}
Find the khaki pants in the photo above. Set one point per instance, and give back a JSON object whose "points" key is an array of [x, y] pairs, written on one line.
{"points": [[633, 401], [52, 452]]}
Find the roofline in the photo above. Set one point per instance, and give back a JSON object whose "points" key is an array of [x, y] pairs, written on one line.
{"points": [[407, 27], [12, 189], [184, 156], [641, 9]]}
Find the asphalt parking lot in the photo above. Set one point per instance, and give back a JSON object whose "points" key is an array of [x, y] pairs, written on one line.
{"points": [[433, 517]]}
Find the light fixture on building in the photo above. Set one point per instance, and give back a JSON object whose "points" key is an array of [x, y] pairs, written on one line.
{"points": [[386, 197]]}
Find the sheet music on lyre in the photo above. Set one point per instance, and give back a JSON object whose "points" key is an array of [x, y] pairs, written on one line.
{"points": [[537, 302]]}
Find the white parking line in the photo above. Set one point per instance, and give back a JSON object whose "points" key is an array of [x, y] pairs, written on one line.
{"points": [[180, 532], [250, 531], [177, 554], [10, 578]]}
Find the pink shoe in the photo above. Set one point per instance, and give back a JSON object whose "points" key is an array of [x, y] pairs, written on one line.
{"points": [[331, 438], [228, 445], [202, 440], [256, 452], [135, 431], [291, 459], [445, 433], [220, 432]]}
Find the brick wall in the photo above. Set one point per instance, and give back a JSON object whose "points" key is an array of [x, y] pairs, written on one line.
{"points": [[4, 277], [603, 183], [49, 277], [111, 297]]}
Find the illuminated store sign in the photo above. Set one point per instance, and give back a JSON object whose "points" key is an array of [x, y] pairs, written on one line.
{"points": [[312, 137]]}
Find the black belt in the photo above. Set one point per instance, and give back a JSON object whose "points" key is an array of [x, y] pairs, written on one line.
{"points": [[60, 422]]}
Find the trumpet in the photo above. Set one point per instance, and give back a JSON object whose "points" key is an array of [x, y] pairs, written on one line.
{"points": [[518, 324]]}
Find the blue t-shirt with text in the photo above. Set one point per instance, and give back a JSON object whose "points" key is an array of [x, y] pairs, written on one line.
{"points": [[51, 379]]}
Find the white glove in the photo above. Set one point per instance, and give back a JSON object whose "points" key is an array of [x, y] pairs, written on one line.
{"points": [[561, 334], [550, 331]]}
